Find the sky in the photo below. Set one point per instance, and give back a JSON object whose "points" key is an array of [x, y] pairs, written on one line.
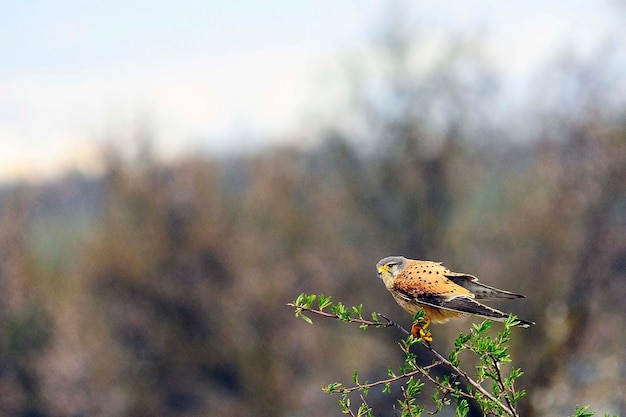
{"points": [[224, 76]]}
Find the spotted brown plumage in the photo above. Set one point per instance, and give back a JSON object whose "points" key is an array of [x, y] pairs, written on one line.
{"points": [[441, 293]]}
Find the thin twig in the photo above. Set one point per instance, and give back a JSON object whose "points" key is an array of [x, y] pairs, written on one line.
{"points": [[445, 388], [392, 323], [500, 381], [380, 382], [406, 401]]}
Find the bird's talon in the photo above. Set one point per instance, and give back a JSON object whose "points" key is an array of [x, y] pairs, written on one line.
{"points": [[426, 335], [419, 331]]}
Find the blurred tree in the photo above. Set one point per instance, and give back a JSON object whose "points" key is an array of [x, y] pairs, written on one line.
{"points": [[25, 327]]}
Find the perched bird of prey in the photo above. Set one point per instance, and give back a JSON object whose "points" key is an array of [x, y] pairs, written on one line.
{"points": [[441, 293]]}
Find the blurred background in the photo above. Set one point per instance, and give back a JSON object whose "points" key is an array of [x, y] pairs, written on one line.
{"points": [[172, 176]]}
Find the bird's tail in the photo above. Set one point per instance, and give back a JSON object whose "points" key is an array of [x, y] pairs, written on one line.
{"points": [[480, 290]]}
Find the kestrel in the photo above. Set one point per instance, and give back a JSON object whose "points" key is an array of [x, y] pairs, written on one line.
{"points": [[441, 293]]}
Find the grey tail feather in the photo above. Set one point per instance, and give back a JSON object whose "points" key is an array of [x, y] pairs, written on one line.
{"points": [[482, 291]]}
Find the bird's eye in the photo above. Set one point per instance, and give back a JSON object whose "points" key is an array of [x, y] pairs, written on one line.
{"points": [[391, 264]]}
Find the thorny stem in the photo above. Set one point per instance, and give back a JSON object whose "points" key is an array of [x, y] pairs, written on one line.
{"points": [[508, 409]]}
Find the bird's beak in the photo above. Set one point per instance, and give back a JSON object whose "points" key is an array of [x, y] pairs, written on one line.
{"points": [[382, 269]]}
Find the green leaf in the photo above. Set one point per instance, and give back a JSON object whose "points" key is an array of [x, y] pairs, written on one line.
{"points": [[438, 401], [364, 410], [300, 300], [408, 342], [454, 357], [482, 327], [462, 408], [333, 387], [341, 311], [305, 317], [375, 318], [323, 302], [309, 300], [511, 321], [414, 387], [387, 388], [344, 404], [461, 340], [582, 412], [419, 315]]}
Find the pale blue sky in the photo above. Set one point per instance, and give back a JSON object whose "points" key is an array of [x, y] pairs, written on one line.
{"points": [[203, 72], [72, 34]]}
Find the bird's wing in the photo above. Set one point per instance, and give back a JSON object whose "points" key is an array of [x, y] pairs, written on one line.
{"points": [[480, 290], [471, 306], [460, 304]]}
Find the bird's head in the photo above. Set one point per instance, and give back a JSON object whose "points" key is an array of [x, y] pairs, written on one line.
{"points": [[390, 267]]}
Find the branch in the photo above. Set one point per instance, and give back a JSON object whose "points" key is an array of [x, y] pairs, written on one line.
{"points": [[510, 411], [359, 320], [388, 380], [507, 408]]}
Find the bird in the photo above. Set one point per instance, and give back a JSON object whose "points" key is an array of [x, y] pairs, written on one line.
{"points": [[441, 293]]}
